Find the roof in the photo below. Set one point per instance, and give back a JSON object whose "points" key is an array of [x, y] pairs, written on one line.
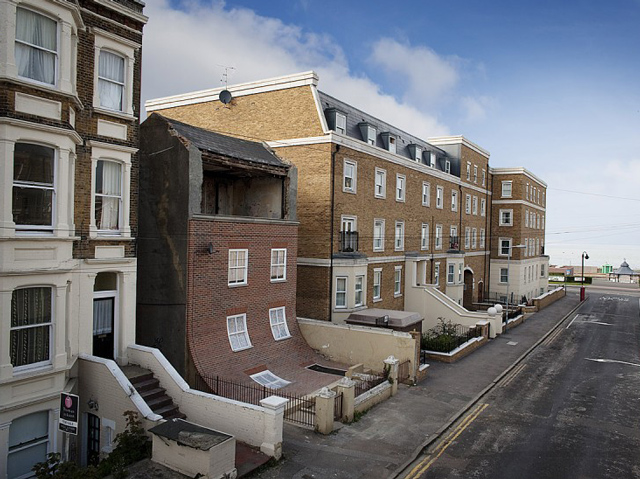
{"points": [[397, 319], [206, 140], [624, 269], [189, 434]]}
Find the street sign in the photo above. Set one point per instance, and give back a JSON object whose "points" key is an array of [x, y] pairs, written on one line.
{"points": [[68, 413]]}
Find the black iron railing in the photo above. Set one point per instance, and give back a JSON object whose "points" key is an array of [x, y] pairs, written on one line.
{"points": [[446, 337], [365, 382], [348, 241]]}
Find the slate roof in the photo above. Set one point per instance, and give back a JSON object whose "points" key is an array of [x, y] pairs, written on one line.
{"points": [[229, 146], [624, 269]]}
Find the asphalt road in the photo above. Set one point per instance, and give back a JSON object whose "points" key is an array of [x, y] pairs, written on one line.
{"points": [[569, 410]]}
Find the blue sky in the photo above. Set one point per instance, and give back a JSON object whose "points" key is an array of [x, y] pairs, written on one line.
{"points": [[553, 86]]}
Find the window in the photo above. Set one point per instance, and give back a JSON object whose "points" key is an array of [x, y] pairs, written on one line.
{"points": [[108, 197], [33, 187], [417, 154], [399, 239], [432, 159], [397, 281], [451, 273], [401, 181], [484, 177], [475, 205], [467, 204], [278, 264], [525, 274], [28, 443], [31, 326], [526, 218], [436, 274], [468, 171], [460, 265], [506, 217], [36, 48], [505, 246], [467, 237], [482, 238], [438, 238], [475, 174], [377, 281], [474, 238], [341, 122], [238, 265], [538, 197], [483, 207], [278, 321], [506, 189], [538, 221], [268, 379], [439, 197], [391, 143], [341, 292], [447, 166], [542, 271], [526, 247], [349, 176], [111, 81], [359, 293], [426, 194], [378, 235], [237, 331], [424, 237], [527, 191], [453, 237], [504, 275], [380, 188], [454, 200]]}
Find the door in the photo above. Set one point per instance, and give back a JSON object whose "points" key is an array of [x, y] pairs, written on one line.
{"points": [[93, 439], [103, 327], [467, 299]]}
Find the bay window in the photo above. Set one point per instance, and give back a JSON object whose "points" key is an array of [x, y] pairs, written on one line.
{"points": [[31, 326], [108, 196], [36, 47], [33, 186]]}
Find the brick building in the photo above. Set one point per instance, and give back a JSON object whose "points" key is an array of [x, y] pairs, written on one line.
{"points": [[69, 108], [217, 251], [384, 215]]}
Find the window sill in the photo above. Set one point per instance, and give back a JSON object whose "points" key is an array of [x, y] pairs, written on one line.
{"points": [[29, 370], [237, 285], [108, 237], [377, 300], [283, 280], [351, 192], [114, 113], [283, 339]]}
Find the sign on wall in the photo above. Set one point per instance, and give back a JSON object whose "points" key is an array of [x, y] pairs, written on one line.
{"points": [[68, 413]]}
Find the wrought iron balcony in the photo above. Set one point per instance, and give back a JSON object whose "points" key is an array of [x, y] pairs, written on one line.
{"points": [[348, 241]]}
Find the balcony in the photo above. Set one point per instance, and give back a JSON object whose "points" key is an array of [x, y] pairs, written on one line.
{"points": [[348, 241]]}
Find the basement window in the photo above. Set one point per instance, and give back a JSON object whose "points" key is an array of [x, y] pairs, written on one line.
{"points": [[268, 379]]}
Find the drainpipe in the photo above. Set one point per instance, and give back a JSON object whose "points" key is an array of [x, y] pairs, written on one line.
{"points": [[333, 201]]}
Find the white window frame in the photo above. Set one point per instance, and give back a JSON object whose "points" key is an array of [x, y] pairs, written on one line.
{"points": [[451, 273], [482, 238], [33, 443], [504, 275], [267, 379], [341, 122], [527, 191], [467, 204], [436, 274], [349, 176], [49, 325], [483, 207], [358, 291], [507, 189], [392, 144], [453, 233], [103, 151], [467, 237], [447, 166], [234, 266], [526, 247], [526, 218], [438, 237], [426, 193], [378, 223], [454, 200], [475, 174], [468, 171], [341, 293], [439, 197], [424, 236], [278, 323], [377, 284], [500, 247], [460, 266], [484, 177], [474, 238], [418, 154], [278, 270], [239, 333], [372, 133], [397, 281], [39, 48], [506, 223], [119, 197], [399, 236], [125, 49], [380, 183], [401, 187], [474, 205]]}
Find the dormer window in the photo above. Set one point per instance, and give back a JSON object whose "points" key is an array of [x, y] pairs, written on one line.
{"points": [[447, 166], [336, 120], [368, 132], [432, 159], [389, 141], [416, 152]]}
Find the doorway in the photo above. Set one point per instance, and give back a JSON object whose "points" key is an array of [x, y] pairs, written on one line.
{"points": [[93, 439], [105, 307], [467, 299]]}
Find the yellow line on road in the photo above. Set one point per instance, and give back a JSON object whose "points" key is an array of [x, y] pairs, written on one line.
{"points": [[421, 467]]}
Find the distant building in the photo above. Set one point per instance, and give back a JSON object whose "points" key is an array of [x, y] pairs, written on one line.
{"points": [[624, 274]]}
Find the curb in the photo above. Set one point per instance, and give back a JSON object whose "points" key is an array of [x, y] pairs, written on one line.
{"points": [[424, 446]]}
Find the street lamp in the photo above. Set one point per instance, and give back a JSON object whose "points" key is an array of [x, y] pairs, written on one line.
{"points": [[584, 256], [506, 314]]}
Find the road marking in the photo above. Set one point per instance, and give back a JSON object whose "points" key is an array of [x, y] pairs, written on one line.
{"points": [[587, 319], [574, 318], [421, 467], [510, 377], [599, 360]]}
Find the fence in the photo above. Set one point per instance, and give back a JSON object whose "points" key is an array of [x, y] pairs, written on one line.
{"points": [[337, 407], [364, 382], [446, 337]]}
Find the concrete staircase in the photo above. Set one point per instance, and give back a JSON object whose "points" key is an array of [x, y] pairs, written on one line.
{"points": [[154, 395]]}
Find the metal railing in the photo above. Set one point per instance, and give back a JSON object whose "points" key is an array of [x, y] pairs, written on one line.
{"points": [[348, 241], [337, 407], [446, 337], [365, 382]]}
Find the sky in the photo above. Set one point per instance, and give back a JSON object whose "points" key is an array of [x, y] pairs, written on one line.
{"points": [[552, 86]]}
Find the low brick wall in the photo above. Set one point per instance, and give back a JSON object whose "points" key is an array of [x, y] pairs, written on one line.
{"points": [[546, 299], [517, 321], [373, 396], [459, 353]]}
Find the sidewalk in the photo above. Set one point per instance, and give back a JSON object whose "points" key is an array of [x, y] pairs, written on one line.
{"points": [[391, 434]]}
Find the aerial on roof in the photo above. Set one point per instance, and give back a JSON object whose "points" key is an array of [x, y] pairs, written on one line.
{"points": [[230, 146]]}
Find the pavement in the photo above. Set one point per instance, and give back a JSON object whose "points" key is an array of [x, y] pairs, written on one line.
{"points": [[391, 435]]}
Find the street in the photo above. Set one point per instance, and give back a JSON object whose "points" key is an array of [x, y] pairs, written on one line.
{"points": [[568, 410]]}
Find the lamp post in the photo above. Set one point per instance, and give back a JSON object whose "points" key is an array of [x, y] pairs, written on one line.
{"points": [[582, 294], [506, 314]]}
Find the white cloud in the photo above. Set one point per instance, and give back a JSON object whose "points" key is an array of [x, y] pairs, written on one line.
{"points": [[475, 109], [185, 50]]}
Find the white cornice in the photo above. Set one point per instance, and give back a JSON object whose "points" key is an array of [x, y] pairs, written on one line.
{"points": [[117, 38], [111, 146], [241, 89], [72, 134], [124, 11], [452, 140], [516, 171]]}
